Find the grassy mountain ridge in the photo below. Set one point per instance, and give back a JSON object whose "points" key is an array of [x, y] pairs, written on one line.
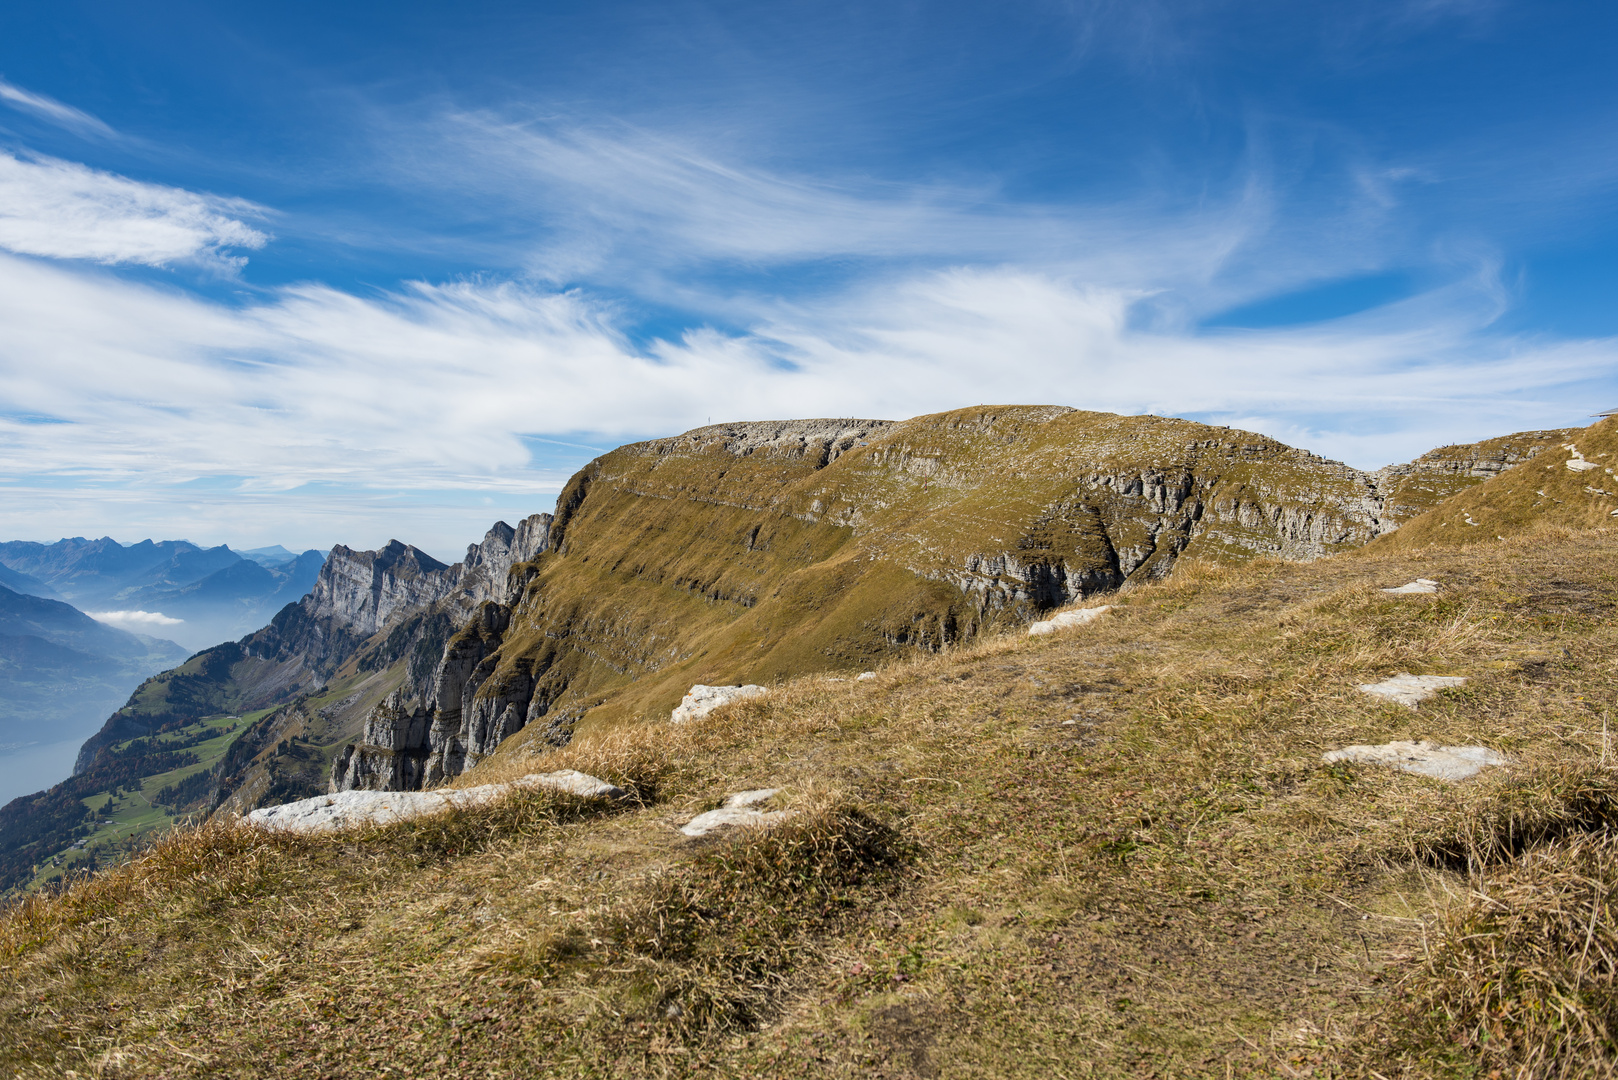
{"points": [[1114, 851], [753, 552], [758, 552], [1570, 485]]}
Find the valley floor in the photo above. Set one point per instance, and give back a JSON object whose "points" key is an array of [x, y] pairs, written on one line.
{"points": [[1112, 851]]}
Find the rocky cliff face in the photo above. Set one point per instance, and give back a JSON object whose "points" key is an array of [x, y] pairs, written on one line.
{"points": [[364, 590], [749, 552], [430, 728]]}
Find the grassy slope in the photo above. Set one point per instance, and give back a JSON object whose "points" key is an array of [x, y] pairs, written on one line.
{"points": [[1113, 851], [1542, 492], [1418, 486]]}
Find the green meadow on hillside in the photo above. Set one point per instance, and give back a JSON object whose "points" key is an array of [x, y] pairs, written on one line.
{"points": [[127, 814]]}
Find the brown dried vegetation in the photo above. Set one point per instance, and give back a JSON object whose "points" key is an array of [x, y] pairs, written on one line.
{"points": [[1112, 851]]}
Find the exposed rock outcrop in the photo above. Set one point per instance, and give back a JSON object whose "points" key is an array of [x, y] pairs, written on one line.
{"points": [[1410, 690], [350, 809], [701, 700], [740, 809], [435, 726], [1420, 587], [1423, 758], [395, 739], [1066, 619]]}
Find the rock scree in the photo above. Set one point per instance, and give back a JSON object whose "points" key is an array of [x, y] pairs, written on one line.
{"points": [[701, 700], [1423, 758], [346, 809], [1408, 689]]}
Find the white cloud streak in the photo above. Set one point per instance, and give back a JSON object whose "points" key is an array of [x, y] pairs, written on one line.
{"points": [[435, 387], [634, 204], [137, 621], [48, 108], [64, 210]]}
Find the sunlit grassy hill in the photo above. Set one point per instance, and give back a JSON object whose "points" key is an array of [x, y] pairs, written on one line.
{"points": [[756, 552], [1110, 851], [1570, 484], [740, 552]]}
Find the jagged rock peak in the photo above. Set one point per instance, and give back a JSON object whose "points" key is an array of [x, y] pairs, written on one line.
{"points": [[488, 563], [363, 589]]}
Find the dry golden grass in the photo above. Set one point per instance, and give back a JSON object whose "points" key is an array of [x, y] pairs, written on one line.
{"points": [[1111, 851]]}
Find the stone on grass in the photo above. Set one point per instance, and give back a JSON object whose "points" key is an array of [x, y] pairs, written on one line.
{"points": [[738, 809], [865, 676], [346, 809], [752, 798], [1420, 586], [1067, 619], [702, 700], [1407, 689], [1424, 758]]}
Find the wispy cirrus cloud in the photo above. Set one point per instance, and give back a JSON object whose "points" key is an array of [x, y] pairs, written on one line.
{"points": [[317, 413], [437, 387], [614, 201], [49, 109], [64, 210]]}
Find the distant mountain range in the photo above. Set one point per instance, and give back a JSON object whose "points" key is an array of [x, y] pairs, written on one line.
{"points": [[61, 673], [192, 595]]}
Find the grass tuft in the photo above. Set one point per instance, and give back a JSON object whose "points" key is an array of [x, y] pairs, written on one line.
{"points": [[715, 940], [1520, 976]]}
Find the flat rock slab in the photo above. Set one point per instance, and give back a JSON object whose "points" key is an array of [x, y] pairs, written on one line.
{"points": [[1424, 758], [739, 808], [346, 809], [1418, 587], [1407, 690], [1068, 619], [730, 816], [701, 700]]}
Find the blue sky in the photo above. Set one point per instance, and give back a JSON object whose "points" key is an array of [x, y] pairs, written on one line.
{"points": [[307, 274]]}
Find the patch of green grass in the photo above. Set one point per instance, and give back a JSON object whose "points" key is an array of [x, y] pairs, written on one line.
{"points": [[127, 816]]}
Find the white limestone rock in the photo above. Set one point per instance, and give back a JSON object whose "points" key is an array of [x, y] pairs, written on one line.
{"points": [[739, 809], [1423, 758], [752, 798], [865, 676], [1407, 689], [1418, 587], [346, 809], [702, 700], [1066, 619]]}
